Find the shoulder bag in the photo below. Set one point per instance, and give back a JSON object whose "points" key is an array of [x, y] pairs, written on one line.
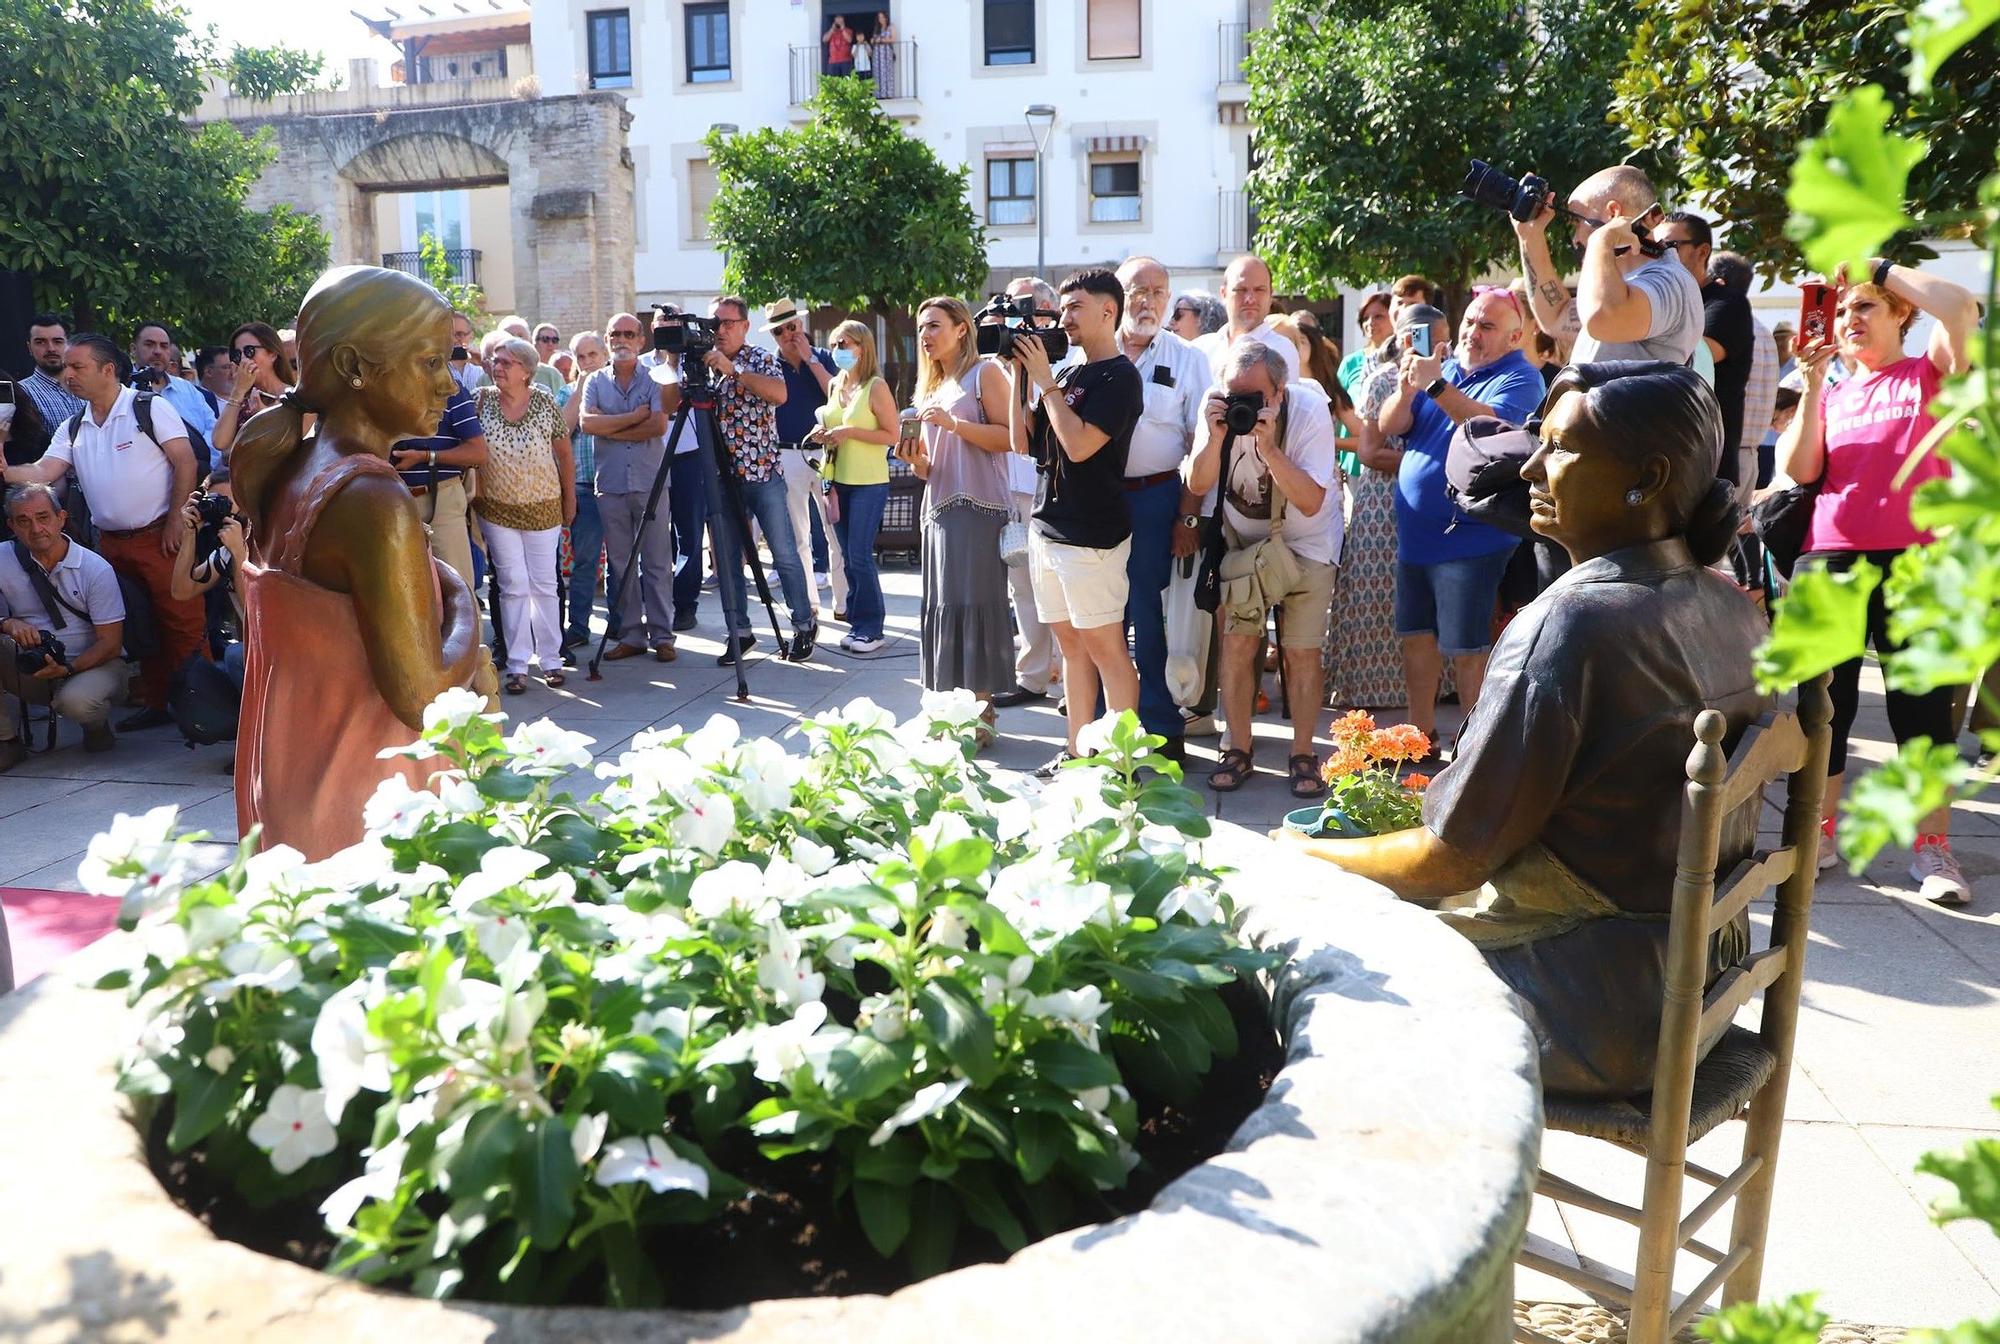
{"points": [[1259, 576], [1783, 520]]}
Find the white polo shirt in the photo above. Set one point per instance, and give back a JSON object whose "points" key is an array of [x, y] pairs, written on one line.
{"points": [[82, 578], [1176, 376], [127, 478], [1217, 345]]}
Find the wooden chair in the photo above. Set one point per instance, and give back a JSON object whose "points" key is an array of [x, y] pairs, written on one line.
{"points": [[1746, 1072]]}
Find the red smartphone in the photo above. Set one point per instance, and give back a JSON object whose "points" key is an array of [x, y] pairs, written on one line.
{"points": [[1818, 302]]}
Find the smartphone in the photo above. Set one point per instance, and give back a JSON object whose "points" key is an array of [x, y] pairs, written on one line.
{"points": [[1818, 303], [1420, 341]]}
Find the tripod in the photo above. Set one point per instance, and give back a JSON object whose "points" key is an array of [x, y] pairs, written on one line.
{"points": [[698, 404]]}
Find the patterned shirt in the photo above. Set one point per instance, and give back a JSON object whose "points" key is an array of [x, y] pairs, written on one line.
{"points": [[1760, 394], [750, 423], [585, 445], [51, 399]]}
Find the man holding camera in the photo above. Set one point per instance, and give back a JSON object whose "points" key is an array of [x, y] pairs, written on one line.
{"points": [[1080, 434], [1281, 491], [626, 412], [749, 387], [1628, 305], [1448, 567], [62, 624], [153, 371]]}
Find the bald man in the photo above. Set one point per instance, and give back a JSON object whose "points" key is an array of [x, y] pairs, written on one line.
{"points": [[1246, 295], [1628, 305], [1164, 523]]}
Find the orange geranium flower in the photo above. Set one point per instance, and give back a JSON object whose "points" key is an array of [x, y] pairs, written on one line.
{"points": [[1416, 783], [1356, 723], [1346, 761], [1403, 742]]}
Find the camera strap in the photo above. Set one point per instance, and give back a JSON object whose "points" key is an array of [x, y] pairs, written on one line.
{"points": [[51, 599]]}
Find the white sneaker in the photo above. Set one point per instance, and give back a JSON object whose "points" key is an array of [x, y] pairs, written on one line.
{"points": [[864, 645], [847, 640], [1829, 853], [1199, 725], [820, 579], [1937, 874]]}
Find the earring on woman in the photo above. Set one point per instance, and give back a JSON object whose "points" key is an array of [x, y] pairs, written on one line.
{"points": [[1633, 496]]}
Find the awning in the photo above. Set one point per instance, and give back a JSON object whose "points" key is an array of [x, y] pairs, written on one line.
{"points": [[1115, 144]]}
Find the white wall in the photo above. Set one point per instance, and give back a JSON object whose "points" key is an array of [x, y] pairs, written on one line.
{"points": [[1168, 95]]}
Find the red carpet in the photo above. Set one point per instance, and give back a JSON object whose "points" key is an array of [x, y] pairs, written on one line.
{"points": [[46, 926]]}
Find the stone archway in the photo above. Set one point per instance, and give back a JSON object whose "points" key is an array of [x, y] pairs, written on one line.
{"points": [[564, 161]]}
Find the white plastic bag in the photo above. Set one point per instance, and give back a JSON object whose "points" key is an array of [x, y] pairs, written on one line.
{"points": [[1189, 630]]}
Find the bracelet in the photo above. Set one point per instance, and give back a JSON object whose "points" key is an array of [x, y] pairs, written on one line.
{"points": [[1882, 268]]}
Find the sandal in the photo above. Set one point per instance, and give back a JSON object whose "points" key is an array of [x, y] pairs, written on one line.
{"points": [[517, 684], [984, 735], [1231, 771], [1306, 781], [553, 679]]}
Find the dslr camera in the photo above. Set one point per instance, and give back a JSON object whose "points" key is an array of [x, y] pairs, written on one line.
{"points": [[996, 323], [213, 510], [1240, 411], [29, 658], [1486, 185]]}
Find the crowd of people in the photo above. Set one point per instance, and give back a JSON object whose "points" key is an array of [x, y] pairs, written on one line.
{"points": [[1132, 458]]}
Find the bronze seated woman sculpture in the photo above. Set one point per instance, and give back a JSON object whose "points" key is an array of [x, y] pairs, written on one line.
{"points": [[354, 628], [1550, 838]]}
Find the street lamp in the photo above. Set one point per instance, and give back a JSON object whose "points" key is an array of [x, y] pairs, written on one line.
{"points": [[1046, 115]]}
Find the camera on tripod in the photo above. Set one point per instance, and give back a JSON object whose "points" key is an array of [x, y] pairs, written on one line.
{"points": [[683, 333], [1240, 411], [1002, 317], [29, 658], [1486, 185]]}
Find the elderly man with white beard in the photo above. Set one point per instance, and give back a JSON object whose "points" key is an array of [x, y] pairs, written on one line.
{"points": [[1176, 378]]}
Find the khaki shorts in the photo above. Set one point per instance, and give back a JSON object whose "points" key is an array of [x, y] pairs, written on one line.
{"points": [[1302, 613], [1079, 585]]}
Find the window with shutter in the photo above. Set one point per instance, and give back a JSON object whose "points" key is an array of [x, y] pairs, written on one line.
{"points": [[1114, 191], [1113, 30], [702, 186]]}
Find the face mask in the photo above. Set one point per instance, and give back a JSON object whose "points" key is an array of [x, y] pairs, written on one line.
{"points": [[844, 359]]}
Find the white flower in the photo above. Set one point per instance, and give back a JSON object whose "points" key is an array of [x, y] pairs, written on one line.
{"points": [[782, 1048], [544, 748], [937, 754], [219, 1058], [1197, 903], [946, 828], [398, 811], [459, 796], [502, 1015], [257, 966], [947, 928], [675, 1022], [863, 715], [766, 775], [887, 1020], [378, 1181], [501, 867], [705, 822], [455, 707], [707, 744], [651, 1160], [811, 855], [645, 934], [786, 971], [1094, 738], [994, 991], [1045, 904], [587, 1135], [1077, 1009], [784, 881], [348, 1055], [927, 1102], [1013, 818], [501, 937], [144, 842], [951, 709], [293, 1128], [736, 887], [211, 926]]}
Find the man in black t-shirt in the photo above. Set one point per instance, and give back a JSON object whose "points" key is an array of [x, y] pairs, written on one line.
{"points": [[1078, 433], [1727, 326]]}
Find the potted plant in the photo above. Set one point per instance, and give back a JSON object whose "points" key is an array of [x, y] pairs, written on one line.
{"points": [[1370, 789]]}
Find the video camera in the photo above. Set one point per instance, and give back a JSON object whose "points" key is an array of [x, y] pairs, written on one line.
{"points": [[996, 324], [683, 333], [29, 658], [149, 379], [1486, 185]]}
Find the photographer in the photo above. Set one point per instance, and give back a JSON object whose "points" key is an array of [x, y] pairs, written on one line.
{"points": [[1082, 530], [62, 624], [687, 491], [1628, 305], [1038, 662], [1282, 489], [213, 549]]}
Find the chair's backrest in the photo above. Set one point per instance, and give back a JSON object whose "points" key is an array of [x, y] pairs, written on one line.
{"points": [[1781, 743]]}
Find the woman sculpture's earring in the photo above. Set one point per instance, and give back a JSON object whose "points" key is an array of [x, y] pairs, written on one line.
{"points": [[357, 383], [1632, 496]]}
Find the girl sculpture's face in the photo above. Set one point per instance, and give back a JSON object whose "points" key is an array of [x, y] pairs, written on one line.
{"points": [[406, 392]]}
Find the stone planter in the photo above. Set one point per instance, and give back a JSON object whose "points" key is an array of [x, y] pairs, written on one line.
{"points": [[1379, 1194]]}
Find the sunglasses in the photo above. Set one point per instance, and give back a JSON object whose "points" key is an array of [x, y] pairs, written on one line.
{"points": [[548, 340], [628, 333], [1504, 292], [243, 352], [1180, 313]]}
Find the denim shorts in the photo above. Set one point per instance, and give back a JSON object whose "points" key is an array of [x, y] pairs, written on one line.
{"points": [[1453, 600]]}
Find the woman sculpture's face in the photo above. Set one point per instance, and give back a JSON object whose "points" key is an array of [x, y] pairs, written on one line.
{"points": [[407, 392], [1577, 486]]}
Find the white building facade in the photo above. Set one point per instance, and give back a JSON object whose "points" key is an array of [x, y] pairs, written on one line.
{"points": [[1147, 152]]}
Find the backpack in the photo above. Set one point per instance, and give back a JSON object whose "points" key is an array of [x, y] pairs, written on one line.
{"points": [[205, 701], [142, 411]]}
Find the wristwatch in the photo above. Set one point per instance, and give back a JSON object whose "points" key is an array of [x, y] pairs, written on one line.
{"points": [[1191, 521], [1438, 384], [1882, 269]]}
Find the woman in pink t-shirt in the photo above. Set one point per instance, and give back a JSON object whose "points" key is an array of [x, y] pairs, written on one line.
{"points": [[1855, 439]]}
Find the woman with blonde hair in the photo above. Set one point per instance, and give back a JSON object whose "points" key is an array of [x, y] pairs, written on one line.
{"points": [[263, 375], [527, 495], [857, 427], [354, 626], [968, 643]]}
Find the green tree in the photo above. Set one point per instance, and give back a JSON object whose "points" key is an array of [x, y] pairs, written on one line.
{"points": [[115, 206], [264, 73], [1727, 89], [790, 222], [1368, 112], [435, 262]]}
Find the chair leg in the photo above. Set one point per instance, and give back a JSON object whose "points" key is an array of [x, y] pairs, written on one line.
{"points": [[1763, 1128]]}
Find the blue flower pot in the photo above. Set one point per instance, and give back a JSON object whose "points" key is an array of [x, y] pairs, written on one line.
{"points": [[1324, 822]]}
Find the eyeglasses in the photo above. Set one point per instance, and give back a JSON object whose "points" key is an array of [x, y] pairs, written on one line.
{"points": [[1672, 243], [731, 321], [243, 352], [1180, 313], [629, 333]]}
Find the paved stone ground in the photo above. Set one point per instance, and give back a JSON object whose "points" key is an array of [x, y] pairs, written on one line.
{"points": [[1898, 1048]]}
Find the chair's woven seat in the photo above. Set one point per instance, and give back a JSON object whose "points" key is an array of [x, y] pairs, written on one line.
{"points": [[1724, 1082]]}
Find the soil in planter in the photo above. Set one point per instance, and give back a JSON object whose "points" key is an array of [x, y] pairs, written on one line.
{"points": [[791, 1238]]}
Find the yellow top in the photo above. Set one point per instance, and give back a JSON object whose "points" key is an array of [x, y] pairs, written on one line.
{"points": [[856, 462]]}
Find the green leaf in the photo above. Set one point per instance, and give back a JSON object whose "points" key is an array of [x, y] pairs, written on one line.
{"points": [[885, 1214], [491, 1137], [1819, 624], [545, 1180], [986, 1206], [1039, 1139], [961, 1029], [1938, 30], [1071, 1065], [202, 1097], [1889, 803], [1849, 183], [934, 1229], [865, 1068], [1965, 1332], [504, 786], [1975, 1171], [1794, 1321]]}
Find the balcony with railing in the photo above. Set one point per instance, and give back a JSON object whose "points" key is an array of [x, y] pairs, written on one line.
{"points": [[1232, 49], [1235, 223], [894, 71], [464, 263]]}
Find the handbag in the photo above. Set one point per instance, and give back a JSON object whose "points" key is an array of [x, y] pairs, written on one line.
{"points": [[1014, 540], [1782, 520]]}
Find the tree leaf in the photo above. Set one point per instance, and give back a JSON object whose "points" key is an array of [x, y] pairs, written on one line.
{"points": [[961, 1029], [1848, 187], [1794, 1321], [1939, 30], [1820, 623], [202, 1097]]}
